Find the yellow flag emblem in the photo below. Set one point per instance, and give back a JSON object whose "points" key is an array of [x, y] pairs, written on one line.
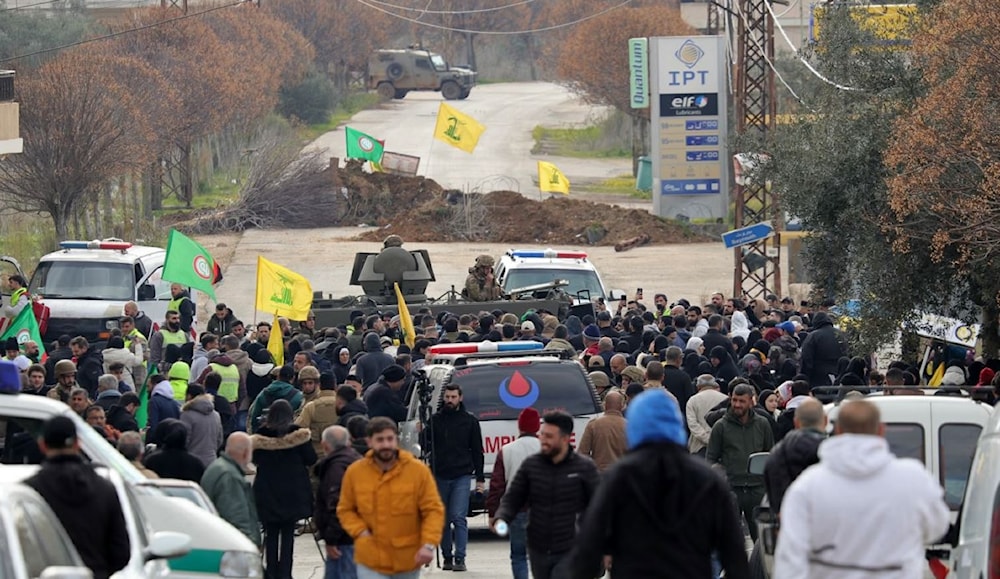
{"points": [[457, 129], [551, 179], [281, 291]]}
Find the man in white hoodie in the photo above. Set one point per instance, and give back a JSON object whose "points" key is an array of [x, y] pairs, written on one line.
{"points": [[861, 512]]}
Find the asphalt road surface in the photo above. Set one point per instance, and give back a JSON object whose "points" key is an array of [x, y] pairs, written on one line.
{"points": [[503, 158], [488, 556]]}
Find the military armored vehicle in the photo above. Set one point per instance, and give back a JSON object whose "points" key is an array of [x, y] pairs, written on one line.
{"points": [[395, 72], [377, 273]]}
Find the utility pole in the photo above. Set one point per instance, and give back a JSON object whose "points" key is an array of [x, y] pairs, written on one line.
{"points": [[757, 270]]}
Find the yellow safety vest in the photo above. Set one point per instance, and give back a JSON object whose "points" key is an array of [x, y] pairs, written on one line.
{"points": [[14, 297], [175, 304], [180, 388], [135, 333], [230, 386], [179, 337]]}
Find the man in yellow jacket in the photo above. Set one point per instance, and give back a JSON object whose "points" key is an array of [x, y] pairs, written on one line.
{"points": [[397, 534]]}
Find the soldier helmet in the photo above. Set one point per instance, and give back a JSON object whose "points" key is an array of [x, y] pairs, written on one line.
{"points": [[484, 261], [393, 241], [64, 367]]}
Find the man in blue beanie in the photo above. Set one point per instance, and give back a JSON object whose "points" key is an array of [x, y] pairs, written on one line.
{"points": [[656, 495]]}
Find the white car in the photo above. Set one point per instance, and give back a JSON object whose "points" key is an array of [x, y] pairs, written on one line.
{"points": [[149, 550], [219, 548], [524, 268], [33, 543], [978, 552]]}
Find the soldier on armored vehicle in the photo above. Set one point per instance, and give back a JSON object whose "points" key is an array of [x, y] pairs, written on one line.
{"points": [[481, 286]]}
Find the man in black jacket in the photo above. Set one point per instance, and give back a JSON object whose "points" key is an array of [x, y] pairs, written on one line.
{"points": [[675, 380], [381, 397], [715, 337], [456, 456], [796, 452], [330, 471], [659, 495], [822, 349], [89, 365], [86, 504], [557, 485]]}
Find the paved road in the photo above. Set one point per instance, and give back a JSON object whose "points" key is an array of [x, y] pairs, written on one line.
{"points": [[488, 556], [503, 157]]}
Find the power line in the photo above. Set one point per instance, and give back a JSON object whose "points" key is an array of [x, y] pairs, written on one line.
{"points": [[763, 53], [123, 32], [30, 5], [811, 68], [425, 11], [495, 32]]}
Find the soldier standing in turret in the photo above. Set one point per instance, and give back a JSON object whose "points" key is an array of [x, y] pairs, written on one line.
{"points": [[481, 286]]}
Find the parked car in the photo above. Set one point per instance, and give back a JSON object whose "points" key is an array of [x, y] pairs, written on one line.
{"points": [[977, 554], [939, 431], [33, 543], [150, 550], [221, 548]]}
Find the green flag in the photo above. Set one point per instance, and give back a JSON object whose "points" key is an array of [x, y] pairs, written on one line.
{"points": [[142, 413], [188, 263], [24, 328], [362, 146]]}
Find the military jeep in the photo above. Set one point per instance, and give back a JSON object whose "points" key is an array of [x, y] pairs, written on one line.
{"points": [[393, 73]]}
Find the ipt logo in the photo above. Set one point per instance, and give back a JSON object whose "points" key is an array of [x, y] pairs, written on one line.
{"points": [[202, 268], [690, 54]]}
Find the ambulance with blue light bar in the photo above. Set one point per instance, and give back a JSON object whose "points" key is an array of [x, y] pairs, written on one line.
{"points": [[499, 379], [520, 269], [86, 284]]}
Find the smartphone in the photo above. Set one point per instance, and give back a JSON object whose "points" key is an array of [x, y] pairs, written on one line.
{"points": [[638, 292]]}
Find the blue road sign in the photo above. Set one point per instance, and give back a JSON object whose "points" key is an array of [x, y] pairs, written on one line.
{"points": [[748, 234]]}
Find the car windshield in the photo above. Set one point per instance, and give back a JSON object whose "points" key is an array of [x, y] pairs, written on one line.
{"points": [[438, 61], [578, 280], [89, 280], [501, 391]]}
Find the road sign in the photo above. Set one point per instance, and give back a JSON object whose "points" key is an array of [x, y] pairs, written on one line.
{"points": [[748, 234]]}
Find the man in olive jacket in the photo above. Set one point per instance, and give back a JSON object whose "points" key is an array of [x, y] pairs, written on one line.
{"points": [[225, 483]]}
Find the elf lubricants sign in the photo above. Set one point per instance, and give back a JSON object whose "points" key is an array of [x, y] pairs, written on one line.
{"points": [[689, 144]]}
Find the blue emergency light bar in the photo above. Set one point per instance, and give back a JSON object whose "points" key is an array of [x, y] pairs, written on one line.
{"points": [[549, 253], [485, 347]]}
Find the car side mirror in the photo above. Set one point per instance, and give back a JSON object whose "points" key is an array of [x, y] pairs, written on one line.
{"points": [[757, 461], [147, 292], [167, 545]]}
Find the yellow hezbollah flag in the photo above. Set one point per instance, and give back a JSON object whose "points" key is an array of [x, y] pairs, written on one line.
{"points": [[457, 129], [551, 179], [937, 376], [282, 292], [405, 319], [276, 343]]}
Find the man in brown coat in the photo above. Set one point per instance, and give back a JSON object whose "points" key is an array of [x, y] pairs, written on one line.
{"points": [[604, 438]]}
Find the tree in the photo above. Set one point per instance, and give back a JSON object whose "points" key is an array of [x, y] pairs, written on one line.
{"points": [[25, 32], [827, 167], [81, 128], [594, 57], [945, 155]]}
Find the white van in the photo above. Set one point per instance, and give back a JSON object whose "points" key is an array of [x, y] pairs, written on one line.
{"points": [[977, 555], [86, 284], [939, 431]]}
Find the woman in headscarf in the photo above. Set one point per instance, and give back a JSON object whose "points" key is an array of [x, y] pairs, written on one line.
{"points": [[342, 365], [768, 400], [283, 452]]}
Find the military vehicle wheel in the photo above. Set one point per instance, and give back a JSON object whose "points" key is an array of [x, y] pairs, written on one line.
{"points": [[464, 95], [386, 90], [451, 91], [400, 94], [394, 71]]}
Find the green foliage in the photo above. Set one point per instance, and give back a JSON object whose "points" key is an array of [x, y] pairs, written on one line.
{"points": [[827, 167], [311, 101], [27, 31], [608, 137]]}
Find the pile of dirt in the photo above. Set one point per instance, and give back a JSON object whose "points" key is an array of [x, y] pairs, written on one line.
{"points": [[509, 217], [418, 209]]}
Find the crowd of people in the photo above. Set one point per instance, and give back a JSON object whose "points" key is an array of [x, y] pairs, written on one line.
{"points": [[687, 390]]}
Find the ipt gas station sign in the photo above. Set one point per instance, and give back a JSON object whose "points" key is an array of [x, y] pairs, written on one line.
{"points": [[689, 149]]}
